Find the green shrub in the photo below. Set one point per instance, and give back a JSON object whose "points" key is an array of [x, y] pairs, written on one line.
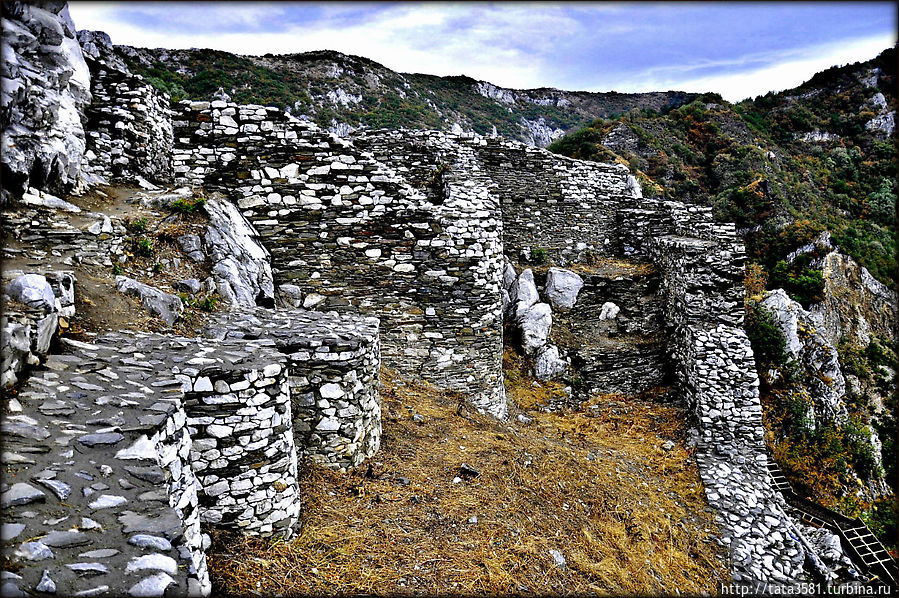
{"points": [[804, 285], [857, 438], [143, 246], [767, 340], [208, 303], [883, 520], [188, 206], [136, 225], [539, 255]]}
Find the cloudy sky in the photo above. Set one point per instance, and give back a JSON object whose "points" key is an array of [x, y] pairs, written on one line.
{"points": [[738, 49]]}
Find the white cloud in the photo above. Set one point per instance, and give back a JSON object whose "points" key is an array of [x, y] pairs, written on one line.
{"points": [[777, 75], [407, 39], [510, 45]]}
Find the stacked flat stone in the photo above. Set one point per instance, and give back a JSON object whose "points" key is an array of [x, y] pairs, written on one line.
{"points": [[615, 338], [411, 226], [242, 450], [334, 363], [721, 387], [65, 239], [99, 495], [701, 265], [561, 205], [116, 499], [351, 234], [129, 123]]}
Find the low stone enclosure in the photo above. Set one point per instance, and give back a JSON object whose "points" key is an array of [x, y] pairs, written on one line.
{"points": [[415, 228], [117, 450]]}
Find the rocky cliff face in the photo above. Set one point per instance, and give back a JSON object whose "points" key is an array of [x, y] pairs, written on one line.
{"points": [[856, 306], [45, 89]]}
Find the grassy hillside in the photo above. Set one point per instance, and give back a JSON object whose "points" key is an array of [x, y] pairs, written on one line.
{"points": [[332, 88]]}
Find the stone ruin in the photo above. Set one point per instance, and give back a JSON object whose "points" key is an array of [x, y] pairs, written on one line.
{"points": [[406, 249]]}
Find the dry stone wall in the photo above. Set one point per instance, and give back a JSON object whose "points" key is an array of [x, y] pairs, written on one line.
{"points": [[701, 264], [333, 363], [562, 206], [129, 123], [178, 432], [411, 227], [351, 234]]}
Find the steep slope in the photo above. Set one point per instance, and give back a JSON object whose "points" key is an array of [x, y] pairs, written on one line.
{"points": [[343, 92]]}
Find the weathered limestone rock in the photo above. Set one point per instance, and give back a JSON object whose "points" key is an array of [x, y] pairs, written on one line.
{"points": [[45, 88], [33, 290], [509, 275], [813, 352], [523, 292], [562, 287], [241, 265], [290, 295], [535, 323], [548, 364], [856, 306], [38, 198], [168, 307]]}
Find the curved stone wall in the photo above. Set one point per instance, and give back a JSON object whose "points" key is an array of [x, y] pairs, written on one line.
{"points": [[333, 363], [117, 451]]}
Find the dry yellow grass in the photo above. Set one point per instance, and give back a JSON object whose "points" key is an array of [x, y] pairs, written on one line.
{"points": [[593, 484]]}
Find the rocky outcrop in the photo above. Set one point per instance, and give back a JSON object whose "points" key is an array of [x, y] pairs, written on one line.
{"points": [[813, 352], [32, 306], [45, 89], [822, 380], [856, 306], [241, 265], [168, 307]]}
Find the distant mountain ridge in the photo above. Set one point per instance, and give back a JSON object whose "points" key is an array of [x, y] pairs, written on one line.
{"points": [[342, 92]]}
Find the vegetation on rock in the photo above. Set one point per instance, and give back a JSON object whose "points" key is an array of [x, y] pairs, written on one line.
{"points": [[331, 89]]}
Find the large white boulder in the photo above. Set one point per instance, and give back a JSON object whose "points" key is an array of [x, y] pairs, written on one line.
{"points": [[535, 323], [562, 287], [523, 290], [548, 363], [32, 290]]}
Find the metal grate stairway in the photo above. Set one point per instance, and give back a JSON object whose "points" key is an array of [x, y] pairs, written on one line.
{"points": [[863, 547]]}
